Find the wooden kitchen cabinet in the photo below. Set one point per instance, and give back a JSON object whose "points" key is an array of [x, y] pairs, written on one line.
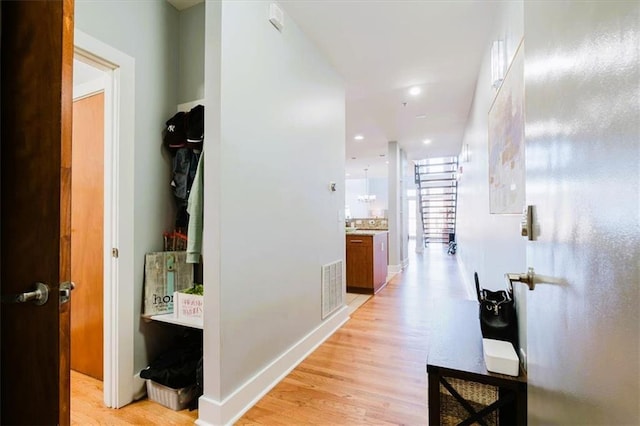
{"points": [[366, 261]]}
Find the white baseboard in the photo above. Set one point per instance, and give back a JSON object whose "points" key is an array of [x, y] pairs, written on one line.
{"points": [[212, 412], [394, 269], [208, 409]]}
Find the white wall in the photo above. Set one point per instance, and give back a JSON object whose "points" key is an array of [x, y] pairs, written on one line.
{"points": [[154, 47], [191, 54], [406, 182], [489, 244], [398, 217], [270, 219], [282, 143]]}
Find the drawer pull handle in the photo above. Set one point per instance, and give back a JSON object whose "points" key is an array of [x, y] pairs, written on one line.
{"points": [[356, 241]]}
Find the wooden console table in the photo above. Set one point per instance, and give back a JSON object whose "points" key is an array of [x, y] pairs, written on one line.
{"points": [[456, 353]]}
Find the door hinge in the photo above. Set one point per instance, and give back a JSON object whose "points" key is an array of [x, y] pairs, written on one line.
{"points": [[114, 252]]}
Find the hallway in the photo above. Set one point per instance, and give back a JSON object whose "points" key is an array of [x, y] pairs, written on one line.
{"points": [[371, 371]]}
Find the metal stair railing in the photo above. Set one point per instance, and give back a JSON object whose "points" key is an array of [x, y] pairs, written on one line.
{"points": [[436, 179]]}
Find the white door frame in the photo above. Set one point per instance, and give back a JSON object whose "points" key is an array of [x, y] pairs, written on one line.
{"points": [[119, 70]]}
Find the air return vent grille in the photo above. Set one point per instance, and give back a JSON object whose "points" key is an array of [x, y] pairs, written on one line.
{"points": [[331, 287]]}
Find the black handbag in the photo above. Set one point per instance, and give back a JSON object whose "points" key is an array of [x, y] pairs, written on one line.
{"points": [[498, 319]]}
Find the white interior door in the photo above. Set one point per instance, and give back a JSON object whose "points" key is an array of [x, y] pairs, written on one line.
{"points": [[582, 85]]}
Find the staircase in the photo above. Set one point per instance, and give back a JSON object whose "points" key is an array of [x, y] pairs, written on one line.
{"points": [[437, 198]]}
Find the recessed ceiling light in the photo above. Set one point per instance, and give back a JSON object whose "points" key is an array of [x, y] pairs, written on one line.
{"points": [[386, 162], [348, 174], [415, 90], [358, 137], [421, 116], [426, 141]]}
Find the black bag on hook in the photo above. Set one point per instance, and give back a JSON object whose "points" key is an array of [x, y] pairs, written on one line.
{"points": [[498, 319]]}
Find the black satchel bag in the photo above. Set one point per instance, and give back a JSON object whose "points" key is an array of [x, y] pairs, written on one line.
{"points": [[498, 319]]}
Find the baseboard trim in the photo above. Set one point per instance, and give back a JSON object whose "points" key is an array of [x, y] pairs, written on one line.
{"points": [[394, 269], [381, 287], [391, 274], [208, 409], [212, 412]]}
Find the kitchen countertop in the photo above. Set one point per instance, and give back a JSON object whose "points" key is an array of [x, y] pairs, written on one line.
{"points": [[366, 232]]}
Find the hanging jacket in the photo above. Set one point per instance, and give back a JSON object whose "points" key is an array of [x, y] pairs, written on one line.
{"points": [[185, 164], [195, 208]]}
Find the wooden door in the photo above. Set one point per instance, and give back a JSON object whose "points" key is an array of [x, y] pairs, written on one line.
{"points": [[87, 213], [35, 178]]}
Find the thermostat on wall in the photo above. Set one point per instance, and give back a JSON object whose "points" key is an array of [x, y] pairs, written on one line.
{"points": [[276, 16]]}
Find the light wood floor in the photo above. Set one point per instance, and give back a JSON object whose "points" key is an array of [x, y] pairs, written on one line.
{"points": [[87, 408], [371, 371]]}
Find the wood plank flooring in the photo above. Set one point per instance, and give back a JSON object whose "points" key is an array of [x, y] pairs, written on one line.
{"points": [[87, 408], [371, 371]]}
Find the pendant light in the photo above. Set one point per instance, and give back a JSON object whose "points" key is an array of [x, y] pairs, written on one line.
{"points": [[366, 198]]}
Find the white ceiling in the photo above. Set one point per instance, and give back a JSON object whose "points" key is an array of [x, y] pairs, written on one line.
{"points": [[384, 47]]}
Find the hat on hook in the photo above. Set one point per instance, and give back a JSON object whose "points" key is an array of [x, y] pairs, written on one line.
{"points": [[195, 126], [175, 132]]}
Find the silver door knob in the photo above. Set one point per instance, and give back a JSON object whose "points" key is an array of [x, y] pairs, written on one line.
{"points": [[526, 278], [39, 296]]}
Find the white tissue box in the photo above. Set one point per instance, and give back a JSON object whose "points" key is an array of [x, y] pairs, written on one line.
{"points": [[500, 357]]}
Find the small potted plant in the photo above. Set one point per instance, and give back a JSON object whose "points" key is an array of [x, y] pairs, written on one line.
{"points": [[189, 303]]}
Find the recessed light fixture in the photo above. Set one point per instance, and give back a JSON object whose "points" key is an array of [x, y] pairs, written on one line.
{"points": [[348, 174], [414, 91], [421, 116], [386, 162], [426, 141], [358, 137]]}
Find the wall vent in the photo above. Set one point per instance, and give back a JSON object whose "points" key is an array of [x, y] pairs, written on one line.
{"points": [[331, 287]]}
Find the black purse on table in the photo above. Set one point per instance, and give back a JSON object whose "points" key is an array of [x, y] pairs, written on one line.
{"points": [[498, 319]]}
